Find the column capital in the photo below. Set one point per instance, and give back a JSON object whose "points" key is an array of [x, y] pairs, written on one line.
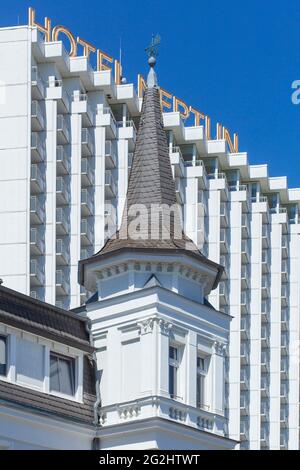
{"points": [[220, 348]]}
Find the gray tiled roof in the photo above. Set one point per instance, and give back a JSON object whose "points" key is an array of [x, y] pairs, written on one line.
{"points": [[40, 318], [150, 184]]}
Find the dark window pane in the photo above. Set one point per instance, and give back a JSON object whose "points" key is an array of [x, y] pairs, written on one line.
{"points": [[62, 374], [173, 353], [3, 354], [171, 381]]}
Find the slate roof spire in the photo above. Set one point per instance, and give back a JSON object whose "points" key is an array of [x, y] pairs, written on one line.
{"points": [[151, 218]]}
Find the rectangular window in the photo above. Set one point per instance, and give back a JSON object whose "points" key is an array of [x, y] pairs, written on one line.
{"points": [[173, 371], [62, 374], [3, 355], [201, 376]]}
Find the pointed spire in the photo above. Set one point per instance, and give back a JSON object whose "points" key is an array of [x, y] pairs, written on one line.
{"points": [[151, 218]]}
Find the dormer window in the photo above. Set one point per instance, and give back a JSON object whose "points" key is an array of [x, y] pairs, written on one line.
{"points": [[3, 355], [62, 374]]}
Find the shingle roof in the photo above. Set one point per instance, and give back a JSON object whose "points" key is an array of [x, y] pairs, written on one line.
{"points": [[150, 195], [40, 318]]}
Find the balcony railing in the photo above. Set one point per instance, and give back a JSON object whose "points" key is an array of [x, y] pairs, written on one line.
{"points": [[86, 202], [37, 181], [37, 84], [37, 148], [110, 185], [63, 136], [63, 165], [87, 175], [37, 118], [37, 214], [62, 191], [62, 252], [86, 233], [62, 286], [37, 242], [87, 144], [62, 221], [36, 274], [110, 154]]}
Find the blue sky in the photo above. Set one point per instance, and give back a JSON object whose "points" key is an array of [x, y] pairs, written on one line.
{"points": [[233, 60]]}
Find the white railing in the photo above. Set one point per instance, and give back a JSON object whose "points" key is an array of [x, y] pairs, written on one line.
{"points": [[163, 408]]}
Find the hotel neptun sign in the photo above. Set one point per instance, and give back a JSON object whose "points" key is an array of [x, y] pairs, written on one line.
{"points": [[105, 61]]}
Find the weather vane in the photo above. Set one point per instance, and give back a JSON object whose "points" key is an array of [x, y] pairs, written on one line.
{"points": [[152, 50]]}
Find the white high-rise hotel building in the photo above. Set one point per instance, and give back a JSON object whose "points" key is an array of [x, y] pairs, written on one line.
{"points": [[67, 135]]}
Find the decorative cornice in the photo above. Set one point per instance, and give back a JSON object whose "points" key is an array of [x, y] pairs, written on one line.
{"points": [[147, 325], [220, 348]]}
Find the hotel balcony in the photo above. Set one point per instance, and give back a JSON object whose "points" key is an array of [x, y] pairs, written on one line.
{"points": [[87, 175], [87, 207], [265, 261], [86, 233], [284, 417], [244, 430], [265, 286], [224, 218], [62, 252], [224, 241], [195, 168], [37, 84], [62, 221], [265, 236], [264, 410], [127, 130], [239, 192], [265, 311], [244, 352], [81, 106], [218, 181], [36, 274], [179, 189], [285, 246], [284, 392], [223, 293], [62, 286], [106, 119], [37, 242], [284, 295], [244, 378], [110, 154], [284, 367], [245, 226], [37, 118], [245, 326], [283, 441], [264, 437], [37, 213], [264, 385], [63, 135], [37, 148], [284, 344], [62, 191], [265, 360], [63, 165], [265, 336], [177, 162], [56, 91], [285, 319], [224, 261], [284, 271], [245, 301], [87, 144], [245, 276], [245, 251], [37, 181], [244, 404], [110, 185], [86, 252]]}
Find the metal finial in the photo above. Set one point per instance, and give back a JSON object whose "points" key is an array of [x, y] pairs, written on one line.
{"points": [[152, 52]]}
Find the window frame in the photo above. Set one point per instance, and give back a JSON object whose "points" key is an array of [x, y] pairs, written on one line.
{"points": [[6, 339], [176, 365], [202, 376], [71, 359]]}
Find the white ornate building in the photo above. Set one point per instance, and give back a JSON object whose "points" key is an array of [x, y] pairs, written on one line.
{"points": [[67, 136]]}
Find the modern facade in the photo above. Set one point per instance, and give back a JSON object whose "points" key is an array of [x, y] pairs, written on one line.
{"points": [[67, 137]]}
